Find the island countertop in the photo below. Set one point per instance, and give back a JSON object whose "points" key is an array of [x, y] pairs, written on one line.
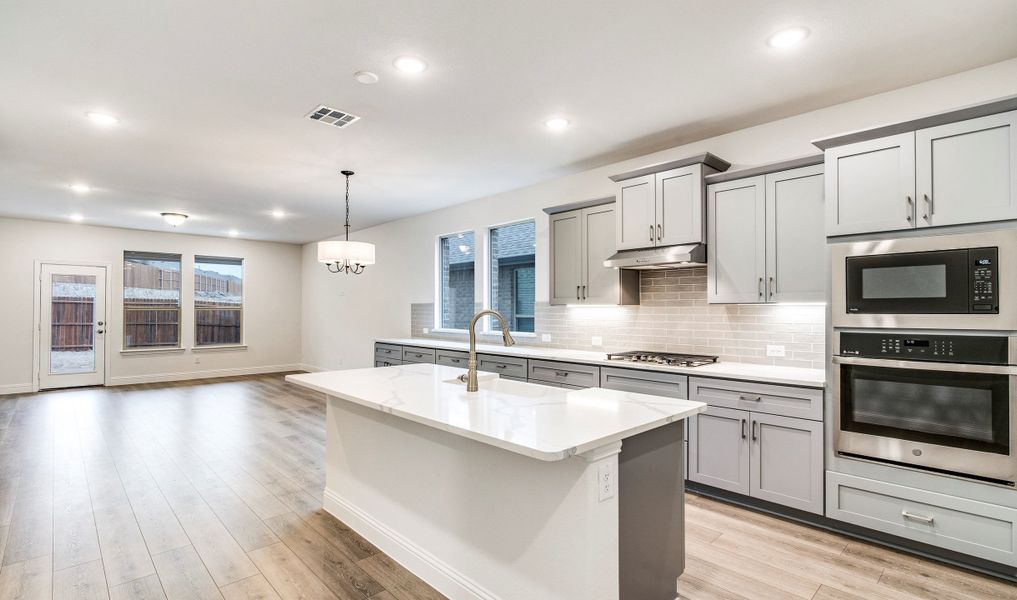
{"points": [[541, 422]]}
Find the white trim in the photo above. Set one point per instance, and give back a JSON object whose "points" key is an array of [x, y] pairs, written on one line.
{"points": [[16, 388], [159, 350], [219, 347], [208, 374], [440, 575], [312, 368]]}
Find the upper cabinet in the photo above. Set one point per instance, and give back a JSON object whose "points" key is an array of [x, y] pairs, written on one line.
{"points": [[663, 205], [949, 169], [580, 240], [765, 240]]}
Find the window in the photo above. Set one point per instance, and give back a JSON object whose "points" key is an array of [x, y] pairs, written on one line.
{"points": [[456, 259], [218, 301], [151, 300], [513, 279]]}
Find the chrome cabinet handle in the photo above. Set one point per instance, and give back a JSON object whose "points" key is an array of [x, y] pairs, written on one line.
{"points": [[773, 286], [743, 429], [584, 292], [919, 518], [651, 233], [755, 434], [911, 206], [561, 374], [760, 287], [577, 292], [928, 206], [745, 398], [660, 232]]}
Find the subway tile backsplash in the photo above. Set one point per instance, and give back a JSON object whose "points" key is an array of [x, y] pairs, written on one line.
{"points": [[673, 316]]}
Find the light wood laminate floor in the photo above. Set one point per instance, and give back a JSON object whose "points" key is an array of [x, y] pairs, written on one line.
{"points": [[212, 490]]}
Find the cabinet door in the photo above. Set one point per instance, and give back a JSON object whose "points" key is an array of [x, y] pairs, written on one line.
{"points": [[736, 241], [600, 284], [967, 171], [636, 218], [796, 264], [680, 206], [787, 461], [566, 257], [719, 449], [870, 186]]}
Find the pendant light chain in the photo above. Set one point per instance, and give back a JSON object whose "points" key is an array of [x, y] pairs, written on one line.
{"points": [[347, 173]]}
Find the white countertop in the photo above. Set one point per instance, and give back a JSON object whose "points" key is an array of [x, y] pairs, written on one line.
{"points": [[814, 378], [541, 422]]}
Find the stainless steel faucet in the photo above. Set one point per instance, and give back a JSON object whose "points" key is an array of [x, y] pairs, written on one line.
{"points": [[470, 377]]}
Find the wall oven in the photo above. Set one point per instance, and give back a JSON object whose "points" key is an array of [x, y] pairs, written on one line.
{"points": [[940, 402], [940, 282]]}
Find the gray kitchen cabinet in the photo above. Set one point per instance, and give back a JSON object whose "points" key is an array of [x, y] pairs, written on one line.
{"points": [[511, 366], [414, 354], [637, 207], [719, 449], [572, 374], [671, 385], [451, 358], [967, 171], [388, 352], [736, 247], [796, 265], [765, 241], [580, 241], [870, 185], [662, 209], [386, 363], [786, 461], [781, 400]]}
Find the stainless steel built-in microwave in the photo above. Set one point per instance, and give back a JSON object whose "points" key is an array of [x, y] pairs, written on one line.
{"points": [[939, 282]]}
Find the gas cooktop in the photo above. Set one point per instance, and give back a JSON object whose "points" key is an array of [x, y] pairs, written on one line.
{"points": [[664, 358]]}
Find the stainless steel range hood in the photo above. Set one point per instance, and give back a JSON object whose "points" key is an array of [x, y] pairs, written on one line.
{"points": [[666, 257]]}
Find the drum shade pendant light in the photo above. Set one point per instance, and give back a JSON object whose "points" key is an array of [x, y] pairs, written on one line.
{"points": [[344, 256]]}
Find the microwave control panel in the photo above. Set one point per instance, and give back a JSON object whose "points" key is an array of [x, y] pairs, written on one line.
{"points": [[984, 285], [978, 349]]}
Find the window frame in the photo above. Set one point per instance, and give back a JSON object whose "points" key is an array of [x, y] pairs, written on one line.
{"points": [[439, 284], [198, 258], [488, 303], [163, 256]]}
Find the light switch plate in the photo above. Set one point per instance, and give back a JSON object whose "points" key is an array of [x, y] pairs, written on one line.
{"points": [[776, 351], [545, 337], [597, 340]]}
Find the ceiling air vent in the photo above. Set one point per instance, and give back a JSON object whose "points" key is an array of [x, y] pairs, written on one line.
{"points": [[331, 116]]}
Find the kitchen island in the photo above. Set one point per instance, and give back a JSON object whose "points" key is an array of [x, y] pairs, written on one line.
{"points": [[517, 491]]}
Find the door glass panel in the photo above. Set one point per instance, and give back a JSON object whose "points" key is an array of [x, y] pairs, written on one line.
{"points": [[72, 333], [956, 409]]}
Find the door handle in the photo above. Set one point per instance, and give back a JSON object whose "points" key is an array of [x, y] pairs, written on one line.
{"points": [[584, 292], [920, 518], [928, 207], [660, 232], [99, 331], [773, 287], [755, 434], [577, 292], [760, 287], [100, 323], [651, 233], [743, 429], [911, 207]]}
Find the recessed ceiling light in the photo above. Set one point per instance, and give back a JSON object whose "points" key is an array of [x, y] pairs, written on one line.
{"points": [[174, 219], [366, 77], [77, 218], [786, 38], [556, 123], [80, 188], [102, 119], [410, 64], [278, 213], [233, 233]]}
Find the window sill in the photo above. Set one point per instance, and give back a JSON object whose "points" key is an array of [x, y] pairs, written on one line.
{"points": [[130, 351], [218, 348], [522, 334], [445, 330]]}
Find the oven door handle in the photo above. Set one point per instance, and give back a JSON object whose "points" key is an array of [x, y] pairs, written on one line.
{"points": [[926, 365]]}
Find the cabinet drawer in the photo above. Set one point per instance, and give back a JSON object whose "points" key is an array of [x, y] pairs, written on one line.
{"points": [[562, 372], [503, 365], [803, 403], [451, 358], [386, 363], [979, 529], [413, 354], [670, 385], [388, 352]]}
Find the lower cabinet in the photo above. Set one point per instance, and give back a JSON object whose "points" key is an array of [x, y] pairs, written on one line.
{"points": [[769, 457]]}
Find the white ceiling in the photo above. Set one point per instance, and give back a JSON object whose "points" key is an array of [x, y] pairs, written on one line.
{"points": [[212, 95]]}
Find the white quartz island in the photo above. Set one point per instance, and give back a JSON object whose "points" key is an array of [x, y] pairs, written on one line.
{"points": [[516, 491]]}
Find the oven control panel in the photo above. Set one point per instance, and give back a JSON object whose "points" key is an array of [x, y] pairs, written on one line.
{"points": [[978, 349], [984, 284]]}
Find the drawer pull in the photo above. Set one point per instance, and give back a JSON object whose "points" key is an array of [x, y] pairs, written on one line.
{"points": [[499, 366], [745, 398], [919, 518], [455, 360], [419, 355], [561, 374]]}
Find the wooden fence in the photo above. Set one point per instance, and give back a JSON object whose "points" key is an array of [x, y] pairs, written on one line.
{"points": [[73, 324]]}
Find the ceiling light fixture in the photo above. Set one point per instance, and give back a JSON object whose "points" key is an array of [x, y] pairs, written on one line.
{"points": [[278, 213], [102, 119], [410, 64], [787, 38], [344, 256], [556, 123], [173, 218], [366, 77], [80, 188], [77, 218]]}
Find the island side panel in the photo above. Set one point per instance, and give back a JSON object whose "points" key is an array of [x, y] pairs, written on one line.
{"points": [[651, 513], [472, 520]]}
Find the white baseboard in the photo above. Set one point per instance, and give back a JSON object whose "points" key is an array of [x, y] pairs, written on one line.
{"points": [[207, 374], [16, 388], [419, 561], [312, 368]]}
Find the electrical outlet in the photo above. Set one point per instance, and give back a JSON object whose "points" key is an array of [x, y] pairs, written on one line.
{"points": [[605, 481], [197, 360], [776, 351], [597, 340], [426, 331], [545, 337]]}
